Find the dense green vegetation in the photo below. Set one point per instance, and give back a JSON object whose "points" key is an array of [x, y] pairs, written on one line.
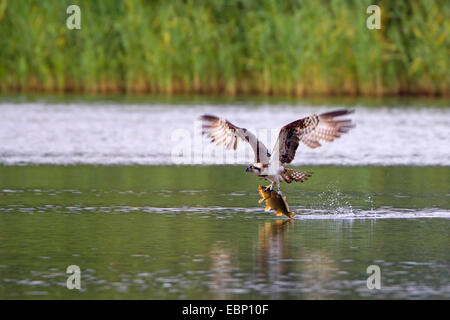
{"points": [[294, 47]]}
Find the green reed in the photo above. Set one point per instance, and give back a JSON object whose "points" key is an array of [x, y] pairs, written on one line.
{"points": [[295, 47]]}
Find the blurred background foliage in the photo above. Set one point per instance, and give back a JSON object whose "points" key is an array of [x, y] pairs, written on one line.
{"points": [[294, 47]]}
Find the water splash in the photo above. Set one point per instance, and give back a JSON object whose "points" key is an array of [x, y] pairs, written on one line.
{"points": [[369, 200], [333, 201]]}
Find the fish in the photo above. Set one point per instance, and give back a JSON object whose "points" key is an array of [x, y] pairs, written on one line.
{"points": [[274, 201]]}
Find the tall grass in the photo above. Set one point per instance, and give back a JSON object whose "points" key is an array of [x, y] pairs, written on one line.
{"points": [[295, 47]]}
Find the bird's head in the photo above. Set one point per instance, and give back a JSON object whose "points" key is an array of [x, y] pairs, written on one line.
{"points": [[255, 168]]}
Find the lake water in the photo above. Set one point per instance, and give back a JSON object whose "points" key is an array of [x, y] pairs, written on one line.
{"points": [[94, 184], [150, 134]]}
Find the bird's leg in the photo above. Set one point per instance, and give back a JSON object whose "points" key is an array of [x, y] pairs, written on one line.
{"points": [[278, 182], [270, 186]]}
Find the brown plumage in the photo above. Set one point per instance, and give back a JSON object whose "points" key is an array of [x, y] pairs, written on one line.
{"points": [[223, 132], [288, 175], [311, 131]]}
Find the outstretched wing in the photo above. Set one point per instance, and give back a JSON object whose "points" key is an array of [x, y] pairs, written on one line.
{"points": [[223, 132], [311, 131]]}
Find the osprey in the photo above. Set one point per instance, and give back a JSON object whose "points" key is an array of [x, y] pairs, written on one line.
{"points": [[310, 130]]}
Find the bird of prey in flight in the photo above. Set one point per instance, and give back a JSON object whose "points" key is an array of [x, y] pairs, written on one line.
{"points": [[311, 131]]}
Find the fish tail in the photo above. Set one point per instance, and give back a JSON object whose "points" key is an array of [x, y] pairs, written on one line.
{"points": [[290, 214]]}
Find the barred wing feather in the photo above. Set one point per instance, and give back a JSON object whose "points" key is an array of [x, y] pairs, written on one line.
{"points": [[223, 132], [311, 131]]}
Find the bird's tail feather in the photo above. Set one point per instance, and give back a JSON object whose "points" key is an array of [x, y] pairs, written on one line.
{"points": [[288, 175]]}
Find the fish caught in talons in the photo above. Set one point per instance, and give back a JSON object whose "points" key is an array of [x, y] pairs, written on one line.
{"points": [[274, 201]]}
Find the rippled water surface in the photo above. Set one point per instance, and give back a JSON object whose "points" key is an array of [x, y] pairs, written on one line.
{"points": [[105, 186], [198, 232], [162, 134]]}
